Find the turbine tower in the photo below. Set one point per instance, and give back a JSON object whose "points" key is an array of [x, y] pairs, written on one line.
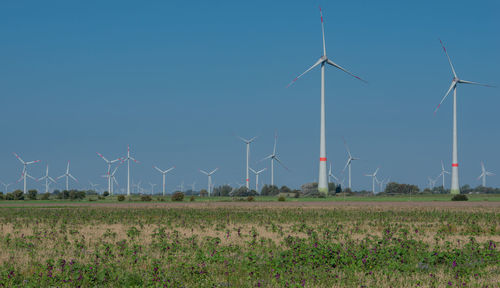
{"points": [[128, 158], [374, 176], [349, 161], [274, 157], [257, 178], [164, 173], [109, 169], [47, 179], [209, 179], [323, 60], [443, 172], [247, 142], [67, 175], [484, 173], [455, 188], [25, 171]]}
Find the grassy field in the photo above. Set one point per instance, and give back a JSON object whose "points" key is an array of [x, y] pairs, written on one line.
{"points": [[251, 244]]}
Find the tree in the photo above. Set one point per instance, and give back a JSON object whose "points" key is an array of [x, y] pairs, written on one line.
{"points": [[105, 194], [269, 190], [338, 189], [32, 194], [223, 190], [203, 192], [285, 189], [18, 195]]}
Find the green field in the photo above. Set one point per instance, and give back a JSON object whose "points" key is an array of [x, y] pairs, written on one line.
{"points": [[270, 244]]}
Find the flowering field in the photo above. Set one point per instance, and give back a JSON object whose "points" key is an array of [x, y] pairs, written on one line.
{"points": [[284, 246]]}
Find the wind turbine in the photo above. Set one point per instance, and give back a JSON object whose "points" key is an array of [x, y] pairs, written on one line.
{"points": [[152, 187], [484, 173], [25, 171], [257, 178], [209, 179], [374, 176], [349, 161], [193, 187], [113, 179], [67, 175], [432, 182], [274, 157], [163, 174], [47, 179], [247, 142], [109, 169], [337, 180], [323, 60], [128, 158], [6, 186], [92, 186], [443, 172], [455, 188], [138, 186]]}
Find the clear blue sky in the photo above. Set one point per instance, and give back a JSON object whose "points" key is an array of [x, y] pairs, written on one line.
{"points": [[178, 79]]}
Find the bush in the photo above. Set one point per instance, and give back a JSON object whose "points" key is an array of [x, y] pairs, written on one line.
{"points": [[9, 196], [177, 196], [146, 198], [32, 194], [2, 197], [18, 195], [281, 198], [250, 199], [296, 195], [45, 196], [121, 198], [105, 194], [161, 199], [191, 198], [460, 197], [101, 197]]}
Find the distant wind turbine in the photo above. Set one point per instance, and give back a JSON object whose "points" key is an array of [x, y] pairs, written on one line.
{"points": [[484, 173], [209, 174], [274, 157], [323, 60], [432, 182], [128, 158], [93, 186], [349, 161], [164, 173], [25, 171], [109, 162], [257, 178], [6, 187], [374, 176], [455, 188], [67, 175], [152, 187], [247, 142], [443, 172], [47, 179]]}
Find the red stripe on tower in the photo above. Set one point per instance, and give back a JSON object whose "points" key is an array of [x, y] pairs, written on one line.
{"points": [[321, 159], [454, 165], [247, 180]]}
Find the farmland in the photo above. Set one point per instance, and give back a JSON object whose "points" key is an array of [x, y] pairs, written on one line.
{"points": [[250, 244]]}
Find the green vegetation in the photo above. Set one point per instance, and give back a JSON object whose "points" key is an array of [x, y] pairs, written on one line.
{"points": [[249, 247]]}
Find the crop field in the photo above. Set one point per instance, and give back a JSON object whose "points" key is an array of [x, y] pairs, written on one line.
{"points": [[250, 244]]}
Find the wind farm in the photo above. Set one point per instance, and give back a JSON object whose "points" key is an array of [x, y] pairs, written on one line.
{"points": [[230, 189]]}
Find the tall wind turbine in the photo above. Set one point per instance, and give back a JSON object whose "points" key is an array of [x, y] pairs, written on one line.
{"points": [[484, 173], [209, 174], [247, 142], [67, 175], [128, 158], [257, 178], [374, 176], [349, 161], [25, 170], [47, 179], [109, 169], [274, 157], [323, 60], [443, 172], [455, 188], [164, 173]]}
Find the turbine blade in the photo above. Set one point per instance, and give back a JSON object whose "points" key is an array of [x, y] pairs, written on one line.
{"points": [[346, 164], [170, 169], [102, 156], [322, 31], [72, 177], [32, 162], [321, 60], [214, 171], [159, 170], [474, 83], [449, 60], [18, 158], [277, 159], [339, 67], [268, 157], [252, 170], [204, 172], [453, 85]]}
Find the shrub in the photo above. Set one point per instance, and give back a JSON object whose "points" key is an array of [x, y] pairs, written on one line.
{"points": [[105, 194], [101, 197], [146, 198], [32, 194], [281, 198], [18, 195], [9, 196], [297, 194], [121, 198], [161, 199], [177, 196], [191, 198], [460, 197], [45, 196], [250, 199], [2, 197]]}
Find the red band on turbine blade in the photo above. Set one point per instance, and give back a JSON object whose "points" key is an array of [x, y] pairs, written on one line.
{"points": [[454, 165], [321, 159]]}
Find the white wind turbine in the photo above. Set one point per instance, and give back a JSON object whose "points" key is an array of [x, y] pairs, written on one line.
{"points": [[374, 176], [337, 180], [6, 186], [25, 171], [257, 178], [349, 161], [128, 158], [323, 60], [67, 175], [443, 172], [47, 179], [274, 157], [109, 169], [113, 180], [209, 174], [164, 173], [455, 188], [152, 187], [247, 142], [93, 186], [484, 173], [432, 182]]}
